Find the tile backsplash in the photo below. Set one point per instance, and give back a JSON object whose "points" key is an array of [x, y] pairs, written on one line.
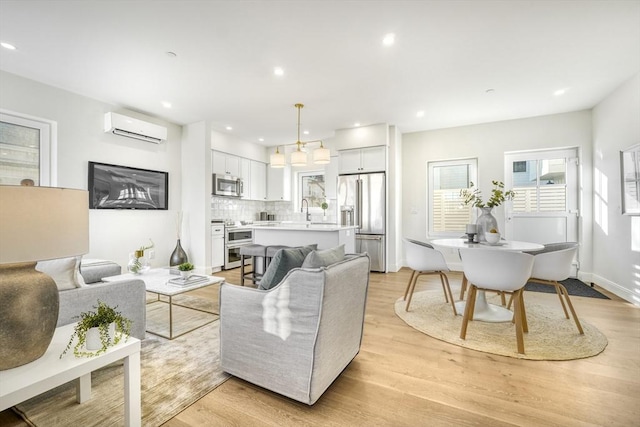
{"points": [[228, 208]]}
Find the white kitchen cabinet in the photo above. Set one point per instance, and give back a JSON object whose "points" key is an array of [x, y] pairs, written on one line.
{"points": [[331, 178], [245, 175], [279, 183], [258, 180], [217, 247], [360, 160], [225, 164]]}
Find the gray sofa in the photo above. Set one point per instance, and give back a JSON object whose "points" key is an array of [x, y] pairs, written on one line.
{"points": [[297, 337], [129, 296]]}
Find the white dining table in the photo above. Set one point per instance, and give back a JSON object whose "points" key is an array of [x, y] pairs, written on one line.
{"points": [[484, 311]]}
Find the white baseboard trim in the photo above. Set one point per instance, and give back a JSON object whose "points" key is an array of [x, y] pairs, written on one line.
{"points": [[612, 287]]}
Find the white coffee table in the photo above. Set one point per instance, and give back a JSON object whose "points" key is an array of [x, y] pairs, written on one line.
{"points": [[50, 371], [157, 281]]}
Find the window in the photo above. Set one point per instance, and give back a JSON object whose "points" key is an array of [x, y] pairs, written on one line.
{"points": [[311, 187], [447, 214], [25, 150], [541, 186]]}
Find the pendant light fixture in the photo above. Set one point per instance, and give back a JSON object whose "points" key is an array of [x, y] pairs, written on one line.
{"points": [[277, 159], [321, 155], [298, 157]]}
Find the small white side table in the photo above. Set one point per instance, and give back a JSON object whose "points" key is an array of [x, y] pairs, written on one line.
{"points": [[50, 371]]}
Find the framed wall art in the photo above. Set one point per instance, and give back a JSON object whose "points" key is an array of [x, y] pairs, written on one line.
{"points": [[630, 178], [123, 187]]}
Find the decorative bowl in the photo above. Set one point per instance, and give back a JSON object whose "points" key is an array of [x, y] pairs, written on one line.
{"points": [[492, 238]]}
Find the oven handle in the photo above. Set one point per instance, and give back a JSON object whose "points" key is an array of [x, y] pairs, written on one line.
{"points": [[235, 245]]}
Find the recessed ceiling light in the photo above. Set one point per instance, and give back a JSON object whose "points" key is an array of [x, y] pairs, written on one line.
{"points": [[261, 139], [306, 132], [8, 46], [389, 39], [229, 128], [356, 124], [561, 92], [420, 113], [166, 104], [278, 71]]}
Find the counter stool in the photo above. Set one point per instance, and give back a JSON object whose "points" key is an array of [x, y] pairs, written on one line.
{"points": [[253, 251], [271, 252]]}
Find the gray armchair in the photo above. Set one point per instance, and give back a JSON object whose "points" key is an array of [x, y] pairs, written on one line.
{"points": [[297, 337]]}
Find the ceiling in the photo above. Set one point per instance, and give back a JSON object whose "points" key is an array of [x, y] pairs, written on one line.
{"points": [[460, 62]]}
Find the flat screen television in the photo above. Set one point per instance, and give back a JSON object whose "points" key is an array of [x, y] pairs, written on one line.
{"points": [[123, 187]]}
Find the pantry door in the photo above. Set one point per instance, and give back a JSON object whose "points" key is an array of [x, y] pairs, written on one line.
{"points": [[545, 209]]}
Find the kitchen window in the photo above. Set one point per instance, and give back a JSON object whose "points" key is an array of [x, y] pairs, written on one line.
{"points": [[26, 150], [311, 186], [447, 215]]}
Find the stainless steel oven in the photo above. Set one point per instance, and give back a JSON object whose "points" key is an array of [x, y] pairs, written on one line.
{"points": [[235, 238]]}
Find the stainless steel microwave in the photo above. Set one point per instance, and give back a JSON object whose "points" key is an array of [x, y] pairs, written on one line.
{"points": [[227, 185]]}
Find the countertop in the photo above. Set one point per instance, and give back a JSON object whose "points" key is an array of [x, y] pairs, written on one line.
{"points": [[302, 226]]}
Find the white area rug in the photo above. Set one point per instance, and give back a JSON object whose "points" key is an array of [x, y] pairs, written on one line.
{"points": [[551, 336]]}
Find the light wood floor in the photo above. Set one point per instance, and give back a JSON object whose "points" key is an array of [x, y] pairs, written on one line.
{"points": [[402, 377]]}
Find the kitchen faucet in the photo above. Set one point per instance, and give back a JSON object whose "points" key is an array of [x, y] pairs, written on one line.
{"points": [[302, 207]]}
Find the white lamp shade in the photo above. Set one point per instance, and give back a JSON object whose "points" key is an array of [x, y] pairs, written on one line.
{"points": [[298, 158], [321, 156], [40, 223], [277, 160]]}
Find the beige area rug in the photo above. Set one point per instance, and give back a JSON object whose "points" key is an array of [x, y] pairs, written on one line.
{"points": [[551, 336], [174, 374]]}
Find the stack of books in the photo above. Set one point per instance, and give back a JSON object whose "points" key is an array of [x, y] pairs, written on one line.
{"points": [[192, 280]]}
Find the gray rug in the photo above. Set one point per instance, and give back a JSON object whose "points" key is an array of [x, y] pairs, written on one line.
{"points": [[550, 336], [574, 287], [174, 374]]}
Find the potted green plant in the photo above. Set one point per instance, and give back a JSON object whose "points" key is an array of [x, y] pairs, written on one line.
{"points": [[486, 221], [324, 207], [185, 269], [97, 330], [139, 264]]}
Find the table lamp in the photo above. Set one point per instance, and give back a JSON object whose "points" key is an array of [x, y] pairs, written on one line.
{"points": [[36, 223]]}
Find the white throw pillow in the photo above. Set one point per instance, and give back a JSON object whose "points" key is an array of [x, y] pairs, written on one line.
{"points": [[64, 271]]}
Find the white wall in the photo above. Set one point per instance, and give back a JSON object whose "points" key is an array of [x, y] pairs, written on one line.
{"points": [[488, 143], [616, 126], [113, 233]]}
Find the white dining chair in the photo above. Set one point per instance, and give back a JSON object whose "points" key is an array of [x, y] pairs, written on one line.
{"points": [[552, 265], [423, 259], [501, 271]]}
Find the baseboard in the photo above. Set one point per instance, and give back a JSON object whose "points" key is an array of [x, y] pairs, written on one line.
{"points": [[612, 287]]}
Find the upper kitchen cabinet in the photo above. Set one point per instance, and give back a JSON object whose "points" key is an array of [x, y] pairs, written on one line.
{"points": [[279, 183], [361, 160], [245, 175], [331, 178], [258, 182], [226, 164]]}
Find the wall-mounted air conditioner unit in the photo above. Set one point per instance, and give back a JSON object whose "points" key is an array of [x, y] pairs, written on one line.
{"points": [[134, 128]]}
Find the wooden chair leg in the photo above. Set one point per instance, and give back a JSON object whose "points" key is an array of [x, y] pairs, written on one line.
{"points": [[413, 287], [517, 307], [463, 288], [510, 302], [444, 289], [525, 324], [560, 295], [502, 299], [468, 311], [573, 311], [448, 290], [406, 291]]}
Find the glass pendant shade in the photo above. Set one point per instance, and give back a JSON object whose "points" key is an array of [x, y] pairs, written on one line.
{"points": [[277, 159], [321, 155]]}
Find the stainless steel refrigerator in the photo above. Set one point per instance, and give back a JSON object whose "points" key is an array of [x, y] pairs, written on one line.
{"points": [[362, 201]]}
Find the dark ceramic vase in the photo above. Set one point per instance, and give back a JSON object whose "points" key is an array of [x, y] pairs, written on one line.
{"points": [[179, 256]]}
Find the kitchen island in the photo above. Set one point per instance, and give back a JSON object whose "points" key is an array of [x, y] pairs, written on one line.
{"points": [[299, 234]]}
